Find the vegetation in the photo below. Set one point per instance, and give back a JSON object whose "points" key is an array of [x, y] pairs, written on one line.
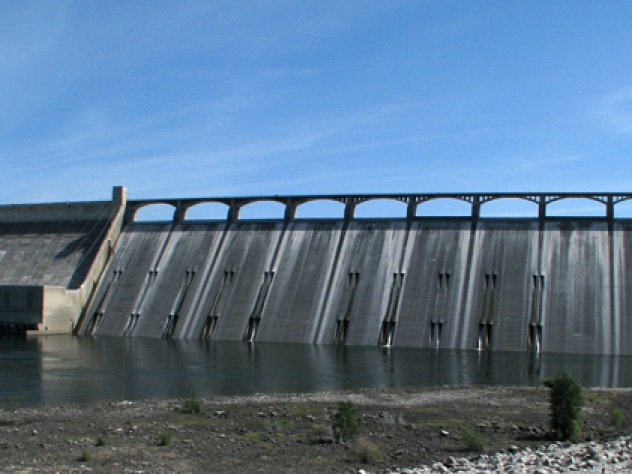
{"points": [[100, 441], [474, 440], [344, 422], [366, 451], [617, 418], [566, 406], [85, 456], [164, 439], [192, 406]]}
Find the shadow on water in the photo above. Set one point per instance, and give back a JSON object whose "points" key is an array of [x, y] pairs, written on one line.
{"points": [[61, 369]]}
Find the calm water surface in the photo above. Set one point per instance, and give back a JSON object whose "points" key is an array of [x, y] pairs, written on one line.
{"points": [[62, 369]]}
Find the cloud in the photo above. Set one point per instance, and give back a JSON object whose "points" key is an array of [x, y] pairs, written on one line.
{"points": [[545, 162], [616, 110]]}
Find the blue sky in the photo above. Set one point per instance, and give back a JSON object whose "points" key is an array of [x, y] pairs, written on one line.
{"points": [[206, 98]]}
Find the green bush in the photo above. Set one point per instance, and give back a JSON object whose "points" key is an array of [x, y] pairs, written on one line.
{"points": [[474, 440], [344, 422], [367, 451], [192, 406], [85, 456], [164, 439], [100, 441], [617, 418], [566, 405]]}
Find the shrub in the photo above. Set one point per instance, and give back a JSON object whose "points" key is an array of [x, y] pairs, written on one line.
{"points": [[344, 422], [474, 440], [566, 405], [617, 418], [85, 456], [164, 439], [367, 451], [192, 406], [100, 441]]}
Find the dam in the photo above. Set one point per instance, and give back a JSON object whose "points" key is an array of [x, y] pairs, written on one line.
{"points": [[541, 284]]}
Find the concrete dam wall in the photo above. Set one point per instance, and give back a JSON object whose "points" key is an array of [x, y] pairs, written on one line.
{"points": [[541, 284], [557, 284], [51, 258]]}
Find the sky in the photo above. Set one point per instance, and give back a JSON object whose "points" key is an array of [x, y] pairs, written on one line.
{"points": [[232, 98]]}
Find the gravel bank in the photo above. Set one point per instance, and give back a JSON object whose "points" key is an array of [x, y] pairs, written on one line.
{"points": [[415, 428]]}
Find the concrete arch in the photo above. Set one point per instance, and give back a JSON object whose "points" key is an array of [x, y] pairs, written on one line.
{"points": [[320, 209], [584, 206], [623, 209], [153, 212], [262, 209], [510, 206], [444, 207], [381, 207], [208, 210]]}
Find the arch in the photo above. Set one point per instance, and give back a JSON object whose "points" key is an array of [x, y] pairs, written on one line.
{"points": [[623, 209], [576, 207], [157, 212], [381, 207], [207, 211], [444, 207], [509, 207], [264, 209], [321, 209]]}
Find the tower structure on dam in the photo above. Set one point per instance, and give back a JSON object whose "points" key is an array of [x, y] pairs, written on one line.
{"points": [[522, 284]]}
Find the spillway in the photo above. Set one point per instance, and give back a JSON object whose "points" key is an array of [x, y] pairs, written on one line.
{"points": [[512, 285]]}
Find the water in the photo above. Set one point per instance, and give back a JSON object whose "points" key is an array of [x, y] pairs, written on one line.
{"points": [[61, 369]]}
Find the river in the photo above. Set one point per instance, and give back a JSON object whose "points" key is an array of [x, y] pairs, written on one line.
{"points": [[50, 370]]}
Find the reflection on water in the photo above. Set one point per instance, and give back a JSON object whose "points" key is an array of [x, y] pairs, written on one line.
{"points": [[60, 369]]}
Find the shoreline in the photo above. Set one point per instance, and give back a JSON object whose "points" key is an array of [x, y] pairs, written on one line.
{"points": [[399, 428]]}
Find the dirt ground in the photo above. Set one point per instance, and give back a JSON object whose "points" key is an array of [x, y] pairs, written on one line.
{"points": [[289, 433]]}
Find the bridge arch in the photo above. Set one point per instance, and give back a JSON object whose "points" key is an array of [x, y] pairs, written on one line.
{"points": [[159, 211], [382, 207], [207, 210], [585, 206], [444, 206], [510, 206], [320, 208], [262, 209]]}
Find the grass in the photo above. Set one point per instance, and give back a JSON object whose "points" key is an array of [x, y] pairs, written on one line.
{"points": [[439, 423], [253, 436], [85, 456], [164, 439], [302, 408], [617, 418], [596, 397], [192, 406], [473, 439], [366, 451]]}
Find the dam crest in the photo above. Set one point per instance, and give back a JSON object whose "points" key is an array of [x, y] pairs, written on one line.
{"points": [[545, 283]]}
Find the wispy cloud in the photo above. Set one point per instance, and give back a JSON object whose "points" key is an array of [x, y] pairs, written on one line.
{"points": [[616, 110], [529, 163]]}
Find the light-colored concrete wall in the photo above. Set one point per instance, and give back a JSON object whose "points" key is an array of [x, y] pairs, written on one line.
{"points": [[55, 211], [64, 309]]}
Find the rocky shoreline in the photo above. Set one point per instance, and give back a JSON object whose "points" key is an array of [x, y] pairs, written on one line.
{"points": [[400, 430], [613, 456]]}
